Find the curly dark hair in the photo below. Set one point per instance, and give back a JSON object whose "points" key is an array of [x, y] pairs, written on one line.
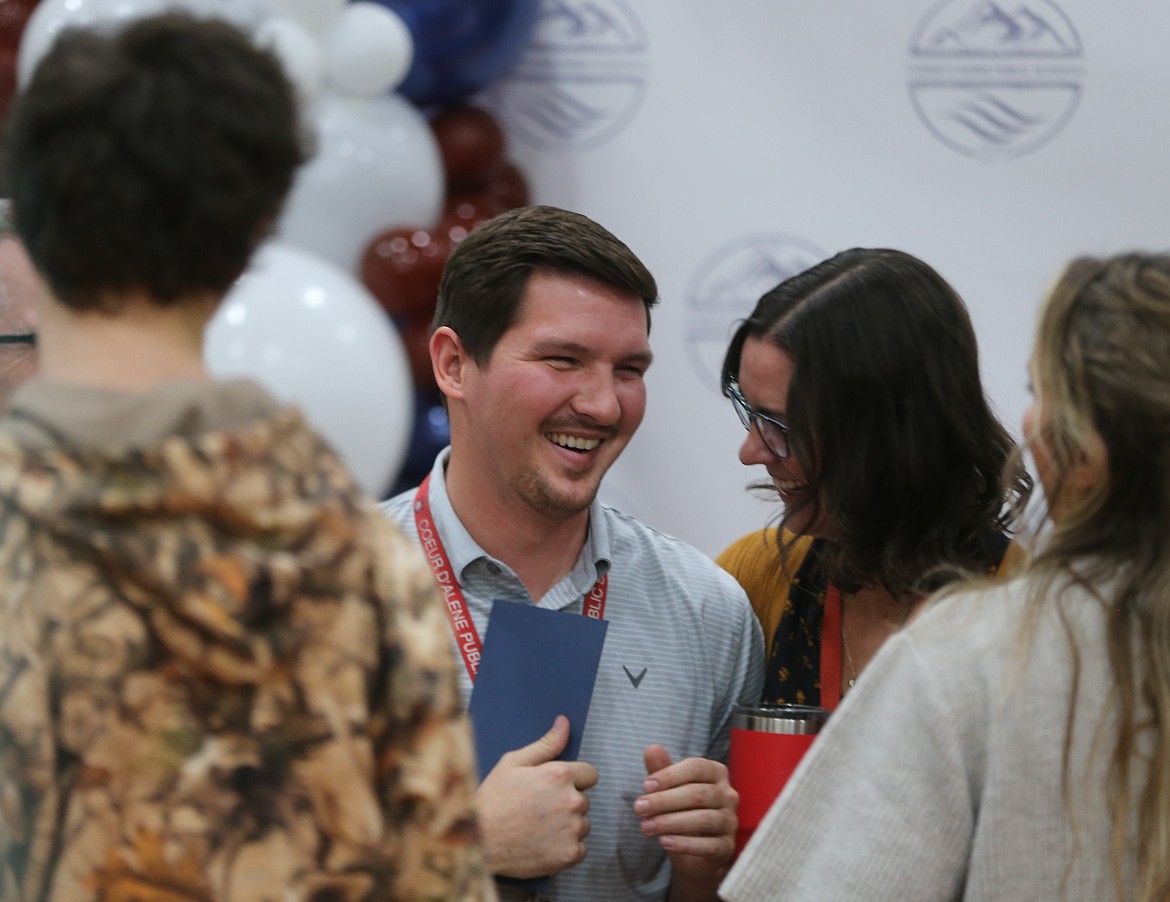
{"points": [[153, 158], [889, 420]]}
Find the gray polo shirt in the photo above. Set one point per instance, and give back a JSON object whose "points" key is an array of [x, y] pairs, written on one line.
{"points": [[683, 648]]}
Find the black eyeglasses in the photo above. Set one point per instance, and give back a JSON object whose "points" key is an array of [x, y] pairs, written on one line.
{"points": [[20, 338], [773, 433]]}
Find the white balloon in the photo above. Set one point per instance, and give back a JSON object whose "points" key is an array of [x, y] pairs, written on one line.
{"points": [[368, 51], [315, 15], [298, 51], [377, 167], [50, 16], [245, 14], [316, 338]]}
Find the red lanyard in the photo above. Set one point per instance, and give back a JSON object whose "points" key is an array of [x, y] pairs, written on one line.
{"points": [[831, 649], [462, 626]]}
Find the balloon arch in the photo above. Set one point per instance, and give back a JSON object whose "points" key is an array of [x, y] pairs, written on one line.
{"points": [[334, 313]]}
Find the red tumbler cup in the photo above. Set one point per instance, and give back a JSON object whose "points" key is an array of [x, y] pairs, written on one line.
{"points": [[767, 742]]}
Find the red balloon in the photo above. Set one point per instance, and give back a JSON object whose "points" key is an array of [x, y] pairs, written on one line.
{"points": [[510, 187], [402, 268], [416, 338], [465, 210], [471, 144], [14, 15], [7, 79]]}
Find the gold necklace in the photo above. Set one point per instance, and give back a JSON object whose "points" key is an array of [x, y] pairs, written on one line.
{"points": [[845, 639], [848, 654]]}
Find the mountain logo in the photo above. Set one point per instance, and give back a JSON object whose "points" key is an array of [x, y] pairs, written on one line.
{"points": [[726, 287], [995, 80], [581, 80]]}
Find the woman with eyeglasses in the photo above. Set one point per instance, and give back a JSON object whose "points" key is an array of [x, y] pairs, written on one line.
{"points": [[1012, 743], [858, 383]]}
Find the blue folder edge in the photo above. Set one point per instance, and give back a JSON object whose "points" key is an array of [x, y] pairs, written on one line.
{"points": [[536, 664]]}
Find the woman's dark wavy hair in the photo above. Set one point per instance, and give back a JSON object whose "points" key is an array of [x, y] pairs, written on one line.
{"points": [[155, 157], [889, 421]]}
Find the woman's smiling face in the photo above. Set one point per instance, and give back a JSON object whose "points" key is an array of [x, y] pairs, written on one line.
{"points": [[765, 374]]}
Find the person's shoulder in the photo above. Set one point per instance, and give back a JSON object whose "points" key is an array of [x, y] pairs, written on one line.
{"points": [[749, 546], [401, 581], [400, 507], [625, 529], [387, 526], [764, 548], [1014, 562], [675, 558], [980, 616], [995, 638]]}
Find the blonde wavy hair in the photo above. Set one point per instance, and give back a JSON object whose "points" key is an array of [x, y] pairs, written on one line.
{"points": [[1102, 368]]}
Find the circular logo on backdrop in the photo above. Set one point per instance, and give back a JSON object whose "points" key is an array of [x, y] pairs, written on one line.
{"points": [[726, 287], [580, 81], [995, 81]]}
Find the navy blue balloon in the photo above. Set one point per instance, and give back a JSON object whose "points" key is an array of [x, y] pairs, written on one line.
{"points": [[462, 46], [430, 434]]}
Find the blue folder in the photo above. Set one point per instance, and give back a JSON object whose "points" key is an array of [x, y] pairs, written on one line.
{"points": [[536, 664]]}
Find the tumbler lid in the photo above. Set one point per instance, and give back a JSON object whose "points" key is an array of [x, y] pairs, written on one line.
{"points": [[798, 719]]}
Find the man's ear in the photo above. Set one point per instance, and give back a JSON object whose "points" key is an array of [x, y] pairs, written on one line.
{"points": [[449, 361]]}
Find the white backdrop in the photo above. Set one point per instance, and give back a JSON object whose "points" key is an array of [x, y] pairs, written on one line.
{"points": [[730, 144]]}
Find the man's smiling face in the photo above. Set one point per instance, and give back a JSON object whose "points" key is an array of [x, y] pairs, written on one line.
{"points": [[561, 395]]}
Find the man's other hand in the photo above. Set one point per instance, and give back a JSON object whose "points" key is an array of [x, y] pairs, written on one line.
{"points": [[690, 806]]}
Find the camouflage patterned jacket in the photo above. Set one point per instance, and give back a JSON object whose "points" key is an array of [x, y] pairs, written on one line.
{"points": [[223, 674]]}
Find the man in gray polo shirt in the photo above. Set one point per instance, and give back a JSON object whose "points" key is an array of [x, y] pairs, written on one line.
{"points": [[540, 347]]}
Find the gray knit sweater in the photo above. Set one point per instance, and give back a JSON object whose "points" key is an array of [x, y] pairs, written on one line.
{"points": [[940, 776]]}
